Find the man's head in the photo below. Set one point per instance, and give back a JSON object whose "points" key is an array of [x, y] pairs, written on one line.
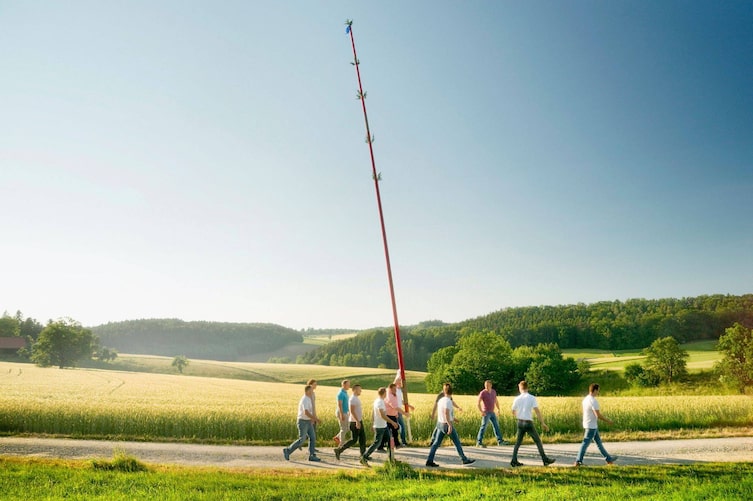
{"points": [[382, 392], [346, 384], [356, 389], [308, 389], [488, 385], [447, 390], [523, 386], [593, 389], [393, 388], [399, 382], [312, 383]]}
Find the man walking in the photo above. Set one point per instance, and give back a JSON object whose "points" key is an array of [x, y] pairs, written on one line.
{"points": [[521, 410], [401, 404], [381, 421], [342, 413], [356, 423], [445, 421], [488, 405], [591, 416], [306, 421]]}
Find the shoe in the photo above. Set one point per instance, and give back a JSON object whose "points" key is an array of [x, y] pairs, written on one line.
{"points": [[314, 458], [381, 450], [504, 442], [337, 440], [286, 453], [404, 444], [468, 461], [431, 464], [578, 464], [481, 446], [366, 458], [516, 463], [612, 459], [364, 462], [337, 453], [548, 461]]}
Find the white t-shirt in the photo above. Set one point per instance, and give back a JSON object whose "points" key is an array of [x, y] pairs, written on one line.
{"points": [[523, 406], [399, 398], [590, 419], [378, 421], [304, 405], [356, 414], [445, 403]]}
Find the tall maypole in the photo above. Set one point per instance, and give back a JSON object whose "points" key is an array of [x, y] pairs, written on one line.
{"points": [[361, 95]]}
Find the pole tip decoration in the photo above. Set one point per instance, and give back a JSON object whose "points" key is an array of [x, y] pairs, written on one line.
{"points": [[348, 23]]}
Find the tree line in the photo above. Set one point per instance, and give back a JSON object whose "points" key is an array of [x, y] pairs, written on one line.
{"points": [[612, 325]]}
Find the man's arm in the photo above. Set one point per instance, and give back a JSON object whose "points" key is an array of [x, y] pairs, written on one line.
{"points": [[541, 418], [478, 404], [311, 415], [447, 418], [601, 416], [387, 418]]}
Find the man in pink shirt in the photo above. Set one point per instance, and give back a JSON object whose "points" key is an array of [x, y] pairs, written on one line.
{"points": [[489, 407]]}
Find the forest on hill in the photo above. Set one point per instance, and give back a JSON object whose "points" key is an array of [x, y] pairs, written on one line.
{"points": [[611, 325], [207, 340]]}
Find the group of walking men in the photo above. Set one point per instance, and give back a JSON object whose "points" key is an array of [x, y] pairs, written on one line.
{"points": [[389, 410]]}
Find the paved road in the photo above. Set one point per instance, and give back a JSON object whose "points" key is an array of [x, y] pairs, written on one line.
{"points": [[230, 456]]}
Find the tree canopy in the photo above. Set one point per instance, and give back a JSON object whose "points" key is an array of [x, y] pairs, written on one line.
{"points": [[736, 367], [63, 343]]}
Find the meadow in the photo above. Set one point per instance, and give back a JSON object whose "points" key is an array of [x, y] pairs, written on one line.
{"points": [[701, 356], [46, 479], [97, 403]]}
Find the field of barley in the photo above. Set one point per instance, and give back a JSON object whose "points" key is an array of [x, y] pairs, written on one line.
{"points": [[129, 405]]}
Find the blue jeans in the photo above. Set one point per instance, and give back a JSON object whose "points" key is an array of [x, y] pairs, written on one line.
{"points": [[489, 416], [592, 435], [305, 429], [401, 422], [441, 431]]}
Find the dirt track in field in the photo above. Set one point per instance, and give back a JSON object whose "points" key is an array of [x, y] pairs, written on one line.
{"points": [[231, 456]]}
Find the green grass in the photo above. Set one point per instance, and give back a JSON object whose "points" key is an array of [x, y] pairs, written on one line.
{"points": [[701, 356], [51, 480]]}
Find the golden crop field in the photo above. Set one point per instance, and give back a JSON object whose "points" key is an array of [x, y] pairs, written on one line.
{"points": [[116, 404]]}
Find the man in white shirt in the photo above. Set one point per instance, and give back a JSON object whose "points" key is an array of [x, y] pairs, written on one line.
{"points": [[445, 421], [591, 416], [356, 423], [523, 408], [306, 421], [381, 420]]}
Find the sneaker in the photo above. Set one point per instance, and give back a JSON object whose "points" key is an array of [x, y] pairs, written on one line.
{"points": [[578, 464], [366, 458], [611, 460], [481, 446], [314, 458], [337, 453], [364, 462], [515, 463], [504, 442], [431, 464], [337, 440], [468, 461], [548, 461], [286, 453], [404, 444]]}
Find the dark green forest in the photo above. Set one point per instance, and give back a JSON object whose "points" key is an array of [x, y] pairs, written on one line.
{"points": [[208, 340], [611, 325]]}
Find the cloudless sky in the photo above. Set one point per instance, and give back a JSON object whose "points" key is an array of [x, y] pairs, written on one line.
{"points": [[206, 160]]}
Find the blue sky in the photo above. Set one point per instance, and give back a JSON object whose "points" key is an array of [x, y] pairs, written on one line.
{"points": [[206, 160]]}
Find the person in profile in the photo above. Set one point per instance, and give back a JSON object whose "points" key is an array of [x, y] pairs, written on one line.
{"points": [[306, 421], [445, 421], [523, 408], [358, 434], [381, 422], [591, 416]]}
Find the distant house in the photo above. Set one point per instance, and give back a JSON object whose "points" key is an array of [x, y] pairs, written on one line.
{"points": [[10, 345]]}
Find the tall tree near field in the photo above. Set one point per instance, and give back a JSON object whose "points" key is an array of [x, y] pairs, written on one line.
{"points": [[180, 362], [666, 360], [63, 343], [736, 344]]}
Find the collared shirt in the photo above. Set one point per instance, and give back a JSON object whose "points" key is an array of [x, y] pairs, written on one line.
{"points": [[305, 405], [342, 396], [590, 406], [378, 421], [488, 399], [392, 405], [523, 406], [356, 412]]}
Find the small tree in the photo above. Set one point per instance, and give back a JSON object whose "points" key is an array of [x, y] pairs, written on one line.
{"points": [[180, 362], [63, 343], [666, 360], [736, 367]]}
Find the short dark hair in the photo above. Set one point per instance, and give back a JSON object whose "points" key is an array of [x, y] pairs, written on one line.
{"points": [[523, 385], [593, 387]]}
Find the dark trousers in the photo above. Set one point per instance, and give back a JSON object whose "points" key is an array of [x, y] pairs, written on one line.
{"points": [[395, 435], [523, 428], [359, 435], [379, 434]]}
